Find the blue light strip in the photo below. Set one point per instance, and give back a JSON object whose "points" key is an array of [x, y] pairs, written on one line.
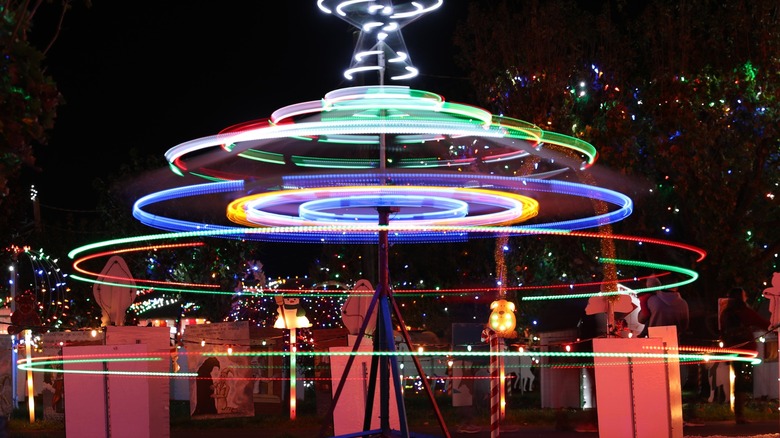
{"points": [[415, 235]]}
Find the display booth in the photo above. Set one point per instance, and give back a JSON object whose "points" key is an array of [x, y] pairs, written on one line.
{"points": [[638, 385], [116, 398], [348, 414]]}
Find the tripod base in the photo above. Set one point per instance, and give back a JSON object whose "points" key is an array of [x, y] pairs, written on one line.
{"points": [[355, 403]]}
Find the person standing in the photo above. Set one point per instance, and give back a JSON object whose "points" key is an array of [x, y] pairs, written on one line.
{"points": [[667, 307], [643, 316], [737, 323]]}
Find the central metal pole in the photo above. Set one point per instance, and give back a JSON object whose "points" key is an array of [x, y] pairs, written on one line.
{"points": [[384, 343], [382, 324]]}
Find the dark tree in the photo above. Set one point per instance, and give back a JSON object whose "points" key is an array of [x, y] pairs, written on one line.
{"points": [[680, 98], [30, 99]]}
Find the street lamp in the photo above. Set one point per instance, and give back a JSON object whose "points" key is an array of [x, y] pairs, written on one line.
{"points": [[291, 316], [501, 324]]}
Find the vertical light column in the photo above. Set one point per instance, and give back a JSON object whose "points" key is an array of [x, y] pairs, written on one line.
{"points": [[30, 389], [732, 379], [293, 377], [502, 386], [291, 316], [14, 351]]}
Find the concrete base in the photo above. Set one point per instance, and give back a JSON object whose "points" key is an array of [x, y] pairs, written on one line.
{"points": [[638, 393]]}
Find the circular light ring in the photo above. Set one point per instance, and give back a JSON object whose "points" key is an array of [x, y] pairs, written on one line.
{"points": [[427, 99], [138, 283], [86, 253], [451, 179], [244, 144], [255, 210], [435, 207], [382, 92], [393, 100], [623, 203], [380, 26], [376, 111], [69, 363], [689, 276], [351, 163], [358, 11], [317, 128]]}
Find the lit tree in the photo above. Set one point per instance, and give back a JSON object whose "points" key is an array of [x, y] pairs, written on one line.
{"points": [[681, 98]]}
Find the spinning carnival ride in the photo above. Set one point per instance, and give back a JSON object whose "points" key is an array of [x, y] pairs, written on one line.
{"points": [[381, 164]]}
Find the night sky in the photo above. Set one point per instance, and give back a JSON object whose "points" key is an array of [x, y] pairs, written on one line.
{"points": [[150, 75]]}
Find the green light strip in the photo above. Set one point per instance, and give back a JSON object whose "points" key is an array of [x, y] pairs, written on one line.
{"points": [[350, 139], [448, 354], [21, 362], [232, 232], [693, 275], [337, 163], [207, 177], [263, 156], [583, 147], [40, 366], [109, 372], [174, 169], [172, 289]]}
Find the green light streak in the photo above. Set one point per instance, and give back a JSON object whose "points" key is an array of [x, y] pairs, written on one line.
{"points": [[350, 139], [22, 362], [110, 372], [450, 354], [207, 177], [174, 169], [637, 357], [263, 156], [693, 275], [331, 163], [166, 289]]}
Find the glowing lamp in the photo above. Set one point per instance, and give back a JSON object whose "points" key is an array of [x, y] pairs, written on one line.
{"points": [[291, 314], [502, 318]]}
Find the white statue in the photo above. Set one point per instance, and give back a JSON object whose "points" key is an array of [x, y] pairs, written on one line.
{"points": [[115, 291], [773, 295], [354, 311]]}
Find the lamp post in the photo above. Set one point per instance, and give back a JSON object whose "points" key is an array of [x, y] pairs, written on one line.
{"points": [[291, 316], [14, 372], [500, 325], [30, 389]]}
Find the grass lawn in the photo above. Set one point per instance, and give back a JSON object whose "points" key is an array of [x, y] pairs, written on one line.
{"points": [[521, 409]]}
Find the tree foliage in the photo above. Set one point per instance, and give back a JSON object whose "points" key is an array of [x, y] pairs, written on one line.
{"points": [[29, 102], [682, 96]]}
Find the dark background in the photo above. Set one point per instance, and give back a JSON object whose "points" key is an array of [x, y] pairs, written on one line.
{"points": [[148, 75]]}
